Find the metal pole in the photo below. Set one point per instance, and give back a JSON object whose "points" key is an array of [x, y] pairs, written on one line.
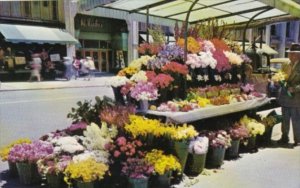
{"points": [[186, 28], [147, 23], [246, 27]]}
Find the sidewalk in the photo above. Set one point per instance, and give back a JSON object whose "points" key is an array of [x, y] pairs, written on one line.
{"points": [[56, 84]]}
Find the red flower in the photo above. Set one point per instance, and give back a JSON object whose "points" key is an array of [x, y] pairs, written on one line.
{"points": [[174, 67], [162, 80], [117, 154], [220, 44]]}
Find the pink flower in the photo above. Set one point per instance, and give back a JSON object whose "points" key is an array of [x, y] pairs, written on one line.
{"points": [[121, 141], [117, 154]]}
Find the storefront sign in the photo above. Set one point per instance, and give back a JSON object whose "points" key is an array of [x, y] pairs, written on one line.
{"points": [[55, 57]]}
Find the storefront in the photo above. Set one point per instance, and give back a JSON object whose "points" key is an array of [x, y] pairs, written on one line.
{"points": [[103, 39], [20, 42]]}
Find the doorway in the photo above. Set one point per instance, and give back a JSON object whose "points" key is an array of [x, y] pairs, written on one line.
{"points": [[101, 58]]}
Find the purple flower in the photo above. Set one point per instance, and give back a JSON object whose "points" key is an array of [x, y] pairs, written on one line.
{"points": [[137, 168], [171, 52], [245, 58], [30, 152], [144, 91]]}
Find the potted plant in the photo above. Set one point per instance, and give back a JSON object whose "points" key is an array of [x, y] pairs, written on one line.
{"points": [[85, 173], [52, 167], [26, 155], [116, 83], [218, 142], [137, 171], [269, 121], [237, 132], [198, 148], [4, 153], [163, 165]]}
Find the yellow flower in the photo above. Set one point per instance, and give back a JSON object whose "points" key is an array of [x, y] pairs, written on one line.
{"points": [[6, 149], [87, 171], [192, 46], [162, 163]]}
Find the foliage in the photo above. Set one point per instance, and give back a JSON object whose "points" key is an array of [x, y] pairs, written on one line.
{"points": [[89, 112]]}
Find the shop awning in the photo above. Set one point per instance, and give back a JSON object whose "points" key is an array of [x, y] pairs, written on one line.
{"points": [[265, 48], [170, 41], [35, 34]]}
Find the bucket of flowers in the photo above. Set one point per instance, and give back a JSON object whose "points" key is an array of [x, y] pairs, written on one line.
{"points": [[26, 155], [219, 141], [85, 173], [4, 152], [137, 170], [163, 165], [237, 133], [144, 92], [198, 148], [52, 167]]}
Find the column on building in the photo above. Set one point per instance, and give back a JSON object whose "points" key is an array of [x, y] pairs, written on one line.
{"points": [[268, 35], [70, 10], [133, 38], [295, 31], [282, 34]]}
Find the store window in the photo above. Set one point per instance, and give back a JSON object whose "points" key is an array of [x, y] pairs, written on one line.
{"points": [[288, 29], [273, 29], [45, 3], [91, 44]]}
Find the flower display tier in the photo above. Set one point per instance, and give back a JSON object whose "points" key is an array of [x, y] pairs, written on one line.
{"points": [[210, 111]]}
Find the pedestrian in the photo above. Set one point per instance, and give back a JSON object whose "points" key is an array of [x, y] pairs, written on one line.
{"points": [[68, 68], [76, 67], [89, 63], [289, 98], [36, 66]]}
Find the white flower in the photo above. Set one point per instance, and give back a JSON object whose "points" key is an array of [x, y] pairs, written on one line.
{"points": [[239, 76], [66, 144], [143, 60], [199, 145], [117, 81], [233, 58], [218, 78], [200, 77], [206, 78], [139, 76]]}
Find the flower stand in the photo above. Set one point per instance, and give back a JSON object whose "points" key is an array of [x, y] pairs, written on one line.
{"points": [[195, 164], [12, 169], [28, 173], [233, 150], [181, 151], [55, 180], [138, 182], [81, 184], [215, 157]]}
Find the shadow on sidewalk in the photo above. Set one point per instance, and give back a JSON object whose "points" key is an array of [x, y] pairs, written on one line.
{"points": [[6, 181]]}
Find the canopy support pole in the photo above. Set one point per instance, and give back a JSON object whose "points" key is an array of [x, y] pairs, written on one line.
{"points": [[186, 28], [247, 25], [147, 23]]}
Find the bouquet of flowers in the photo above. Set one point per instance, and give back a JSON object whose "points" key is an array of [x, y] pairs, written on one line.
{"points": [[175, 68], [137, 168], [220, 44], [208, 46], [139, 77], [162, 80], [117, 115], [157, 63], [149, 48], [219, 139], [30, 152], [144, 91], [162, 163], [233, 58], [238, 131], [192, 44], [66, 144], [248, 88], [199, 145], [245, 58], [141, 62], [123, 148], [280, 77], [253, 126], [222, 61], [127, 71], [184, 132], [53, 164], [4, 151], [171, 52], [76, 128], [117, 81], [85, 171]]}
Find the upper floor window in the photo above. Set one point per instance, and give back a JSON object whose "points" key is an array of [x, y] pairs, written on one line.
{"points": [[54, 10]]}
